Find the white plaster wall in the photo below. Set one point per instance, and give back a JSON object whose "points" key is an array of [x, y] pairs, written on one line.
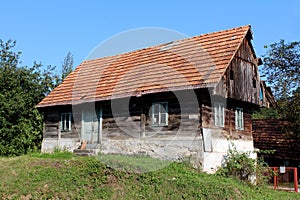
{"points": [[220, 146], [50, 144]]}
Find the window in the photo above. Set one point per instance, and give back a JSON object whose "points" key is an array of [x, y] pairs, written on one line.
{"points": [[231, 74], [219, 114], [261, 93], [254, 82], [65, 122], [239, 119], [159, 114]]}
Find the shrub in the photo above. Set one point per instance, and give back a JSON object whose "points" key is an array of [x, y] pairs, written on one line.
{"points": [[240, 165]]}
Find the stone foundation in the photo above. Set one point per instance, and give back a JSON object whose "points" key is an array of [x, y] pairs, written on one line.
{"points": [[164, 148], [50, 144], [161, 148]]}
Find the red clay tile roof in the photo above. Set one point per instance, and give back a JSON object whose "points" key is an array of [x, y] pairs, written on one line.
{"points": [[195, 62]]}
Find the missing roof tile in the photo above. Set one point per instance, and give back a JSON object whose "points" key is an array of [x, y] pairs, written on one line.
{"points": [[168, 46]]}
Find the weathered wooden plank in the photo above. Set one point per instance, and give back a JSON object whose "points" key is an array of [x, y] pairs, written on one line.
{"points": [[241, 80], [70, 134], [51, 134]]}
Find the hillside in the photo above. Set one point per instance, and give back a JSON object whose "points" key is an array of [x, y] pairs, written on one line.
{"points": [[64, 176]]}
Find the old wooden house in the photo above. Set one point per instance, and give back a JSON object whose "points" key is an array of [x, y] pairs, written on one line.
{"points": [[186, 98]]}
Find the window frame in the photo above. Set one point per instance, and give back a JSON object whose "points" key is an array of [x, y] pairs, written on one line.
{"points": [[219, 114], [239, 118], [261, 93], [163, 104], [64, 120]]}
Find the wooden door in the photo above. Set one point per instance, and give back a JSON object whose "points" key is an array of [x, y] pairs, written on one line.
{"points": [[91, 126]]}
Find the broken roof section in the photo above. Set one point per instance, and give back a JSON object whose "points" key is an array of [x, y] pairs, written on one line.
{"points": [[196, 62]]}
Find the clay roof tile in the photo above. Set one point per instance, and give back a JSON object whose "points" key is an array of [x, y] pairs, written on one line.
{"points": [[195, 62]]}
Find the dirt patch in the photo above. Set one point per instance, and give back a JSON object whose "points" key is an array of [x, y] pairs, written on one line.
{"points": [[44, 163], [118, 188], [238, 192]]}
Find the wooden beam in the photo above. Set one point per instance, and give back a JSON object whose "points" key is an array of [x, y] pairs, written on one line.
{"points": [[143, 119]]}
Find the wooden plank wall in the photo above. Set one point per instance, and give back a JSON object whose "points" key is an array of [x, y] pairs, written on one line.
{"points": [[268, 100], [52, 123], [141, 106], [121, 124], [229, 125], [241, 80]]}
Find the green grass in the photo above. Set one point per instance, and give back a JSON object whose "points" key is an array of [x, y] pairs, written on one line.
{"points": [[132, 164], [64, 176]]}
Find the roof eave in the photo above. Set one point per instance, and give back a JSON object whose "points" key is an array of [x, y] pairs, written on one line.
{"points": [[126, 95]]}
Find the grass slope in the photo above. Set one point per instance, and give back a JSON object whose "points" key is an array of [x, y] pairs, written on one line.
{"points": [[64, 176]]}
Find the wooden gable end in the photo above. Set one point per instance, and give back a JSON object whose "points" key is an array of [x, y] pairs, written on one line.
{"points": [[241, 80], [266, 97]]}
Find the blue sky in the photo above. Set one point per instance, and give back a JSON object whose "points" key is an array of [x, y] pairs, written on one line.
{"points": [[46, 30]]}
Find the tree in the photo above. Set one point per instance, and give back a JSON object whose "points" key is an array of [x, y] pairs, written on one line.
{"points": [[21, 88], [266, 113], [66, 68], [282, 70]]}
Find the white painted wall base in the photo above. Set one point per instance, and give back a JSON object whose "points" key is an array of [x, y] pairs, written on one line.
{"points": [[50, 144], [212, 160]]}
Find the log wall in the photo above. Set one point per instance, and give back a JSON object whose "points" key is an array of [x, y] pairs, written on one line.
{"points": [[229, 130], [52, 123], [134, 121], [137, 124]]}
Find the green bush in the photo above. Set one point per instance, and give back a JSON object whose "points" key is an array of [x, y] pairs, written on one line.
{"points": [[240, 165], [21, 88]]}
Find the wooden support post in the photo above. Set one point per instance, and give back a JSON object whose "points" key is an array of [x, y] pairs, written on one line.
{"points": [[295, 179], [100, 124], [143, 119], [59, 128], [275, 178], [230, 122]]}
